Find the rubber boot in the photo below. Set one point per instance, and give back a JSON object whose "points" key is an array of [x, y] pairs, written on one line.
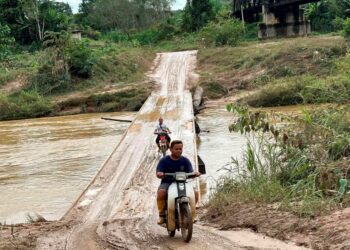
{"points": [[161, 210]]}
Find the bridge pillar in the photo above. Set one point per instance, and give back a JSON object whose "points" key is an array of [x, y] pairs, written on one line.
{"points": [[285, 21]]}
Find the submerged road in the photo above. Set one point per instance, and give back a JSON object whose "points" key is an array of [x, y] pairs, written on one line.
{"points": [[118, 209]]}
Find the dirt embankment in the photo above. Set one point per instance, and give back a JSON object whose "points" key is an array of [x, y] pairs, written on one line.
{"points": [[324, 232]]}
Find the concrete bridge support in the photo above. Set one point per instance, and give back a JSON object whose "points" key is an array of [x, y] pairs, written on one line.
{"points": [[284, 21]]}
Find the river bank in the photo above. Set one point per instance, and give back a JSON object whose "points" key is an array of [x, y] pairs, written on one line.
{"points": [[321, 232], [245, 199]]}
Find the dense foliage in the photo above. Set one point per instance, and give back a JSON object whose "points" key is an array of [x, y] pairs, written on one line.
{"points": [[124, 15], [327, 15], [28, 20], [222, 31], [5, 41], [197, 14]]}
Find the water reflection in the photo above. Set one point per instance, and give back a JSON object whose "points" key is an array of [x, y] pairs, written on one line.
{"points": [[46, 163], [217, 145]]}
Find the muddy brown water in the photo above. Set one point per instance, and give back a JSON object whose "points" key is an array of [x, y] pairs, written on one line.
{"points": [[46, 163], [41, 159], [217, 145]]}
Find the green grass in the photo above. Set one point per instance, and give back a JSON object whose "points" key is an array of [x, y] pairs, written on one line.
{"points": [[178, 43], [128, 100], [301, 89], [285, 61], [22, 64], [24, 104]]}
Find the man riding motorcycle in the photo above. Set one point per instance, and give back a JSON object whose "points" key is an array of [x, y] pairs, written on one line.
{"points": [[171, 164], [162, 129]]}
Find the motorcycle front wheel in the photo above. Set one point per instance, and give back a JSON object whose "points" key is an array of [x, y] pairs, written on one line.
{"points": [[171, 233], [163, 149], [186, 222]]}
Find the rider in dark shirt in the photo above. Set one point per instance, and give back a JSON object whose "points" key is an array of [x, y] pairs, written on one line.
{"points": [[171, 164]]}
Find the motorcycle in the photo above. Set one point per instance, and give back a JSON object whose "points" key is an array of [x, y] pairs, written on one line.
{"points": [[181, 205], [163, 144]]}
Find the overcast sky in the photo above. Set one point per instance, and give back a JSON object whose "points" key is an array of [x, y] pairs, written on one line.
{"points": [[179, 4]]}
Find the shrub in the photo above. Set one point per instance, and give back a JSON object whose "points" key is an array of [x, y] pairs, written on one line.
{"points": [[251, 31], [166, 31], [338, 23], [279, 94], [214, 90], [339, 148], [305, 89], [331, 90], [24, 104], [346, 28], [81, 59], [116, 36], [5, 41], [53, 75], [227, 32], [48, 81], [147, 37], [91, 33]]}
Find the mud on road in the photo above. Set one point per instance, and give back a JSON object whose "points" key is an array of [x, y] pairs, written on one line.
{"points": [[118, 209]]}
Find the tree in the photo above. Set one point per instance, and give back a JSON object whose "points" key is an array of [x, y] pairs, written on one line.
{"points": [[12, 14], [197, 14], [45, 15], [126, 14], [85, 9], [5, 41], [32, 15], [323, 14], [53, 74], [29, 19]]}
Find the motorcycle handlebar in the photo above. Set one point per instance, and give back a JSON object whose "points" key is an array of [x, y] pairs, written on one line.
{"points": [[188, 175], [160, 133]]}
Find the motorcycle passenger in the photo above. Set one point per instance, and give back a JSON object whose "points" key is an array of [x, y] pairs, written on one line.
{"points": [[162, 128], [172, 163]]}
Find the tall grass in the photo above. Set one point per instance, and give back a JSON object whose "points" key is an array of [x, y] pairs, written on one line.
{"points": [[278, 65], [301, 89], [295, 166], [24, 104]]}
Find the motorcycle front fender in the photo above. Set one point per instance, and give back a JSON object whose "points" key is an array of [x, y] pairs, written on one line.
{"points": [[172, 198], [192, 200], [172, 195]]}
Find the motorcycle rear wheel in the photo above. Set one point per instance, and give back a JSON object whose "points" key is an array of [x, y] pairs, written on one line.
{"points": [[186, 222]]}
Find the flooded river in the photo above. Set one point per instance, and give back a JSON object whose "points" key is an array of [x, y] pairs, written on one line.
{"points": [[216, 144], [46, 163]]}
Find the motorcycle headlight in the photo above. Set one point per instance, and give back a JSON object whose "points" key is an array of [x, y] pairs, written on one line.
{"points": [[180, 176]]}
